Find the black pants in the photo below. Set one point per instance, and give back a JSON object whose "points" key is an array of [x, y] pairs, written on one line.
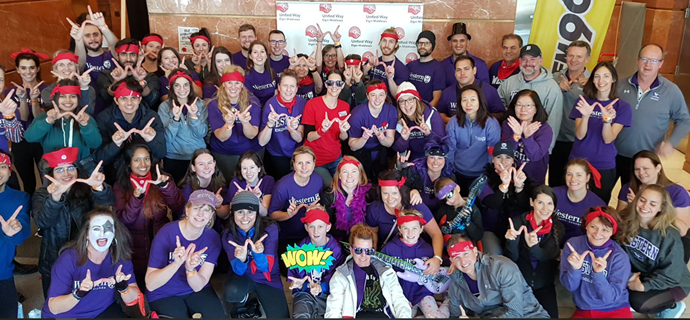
{"points": [[547, 298], [45, 283], [176, 168], [559, 158], [271, 299], [608, 180], [8, 304], [205, 302], [655, 301], [25, 155], [277, 166], [686, 247], [113, 311], [624, 169]]}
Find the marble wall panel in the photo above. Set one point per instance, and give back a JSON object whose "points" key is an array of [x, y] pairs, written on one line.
{"points": [[664, 27]]}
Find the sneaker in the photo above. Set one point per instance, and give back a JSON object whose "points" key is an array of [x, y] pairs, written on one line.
{"points": [[674, 312], [20, 268]]}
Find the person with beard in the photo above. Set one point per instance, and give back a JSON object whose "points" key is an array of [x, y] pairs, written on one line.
{"points": [[152, 43], [459, 41], [388, 68], [279, 61], [128, 66], [246, 34], [88, 41], [536, 77], [426, 73], [510, 65]]}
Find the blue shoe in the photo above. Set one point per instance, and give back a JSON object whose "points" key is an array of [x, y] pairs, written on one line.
{"points": [[673, 313]]}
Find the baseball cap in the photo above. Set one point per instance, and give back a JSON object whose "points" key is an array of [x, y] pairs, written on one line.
{"points": [[530, 49], [202, 196], [504, 147]]}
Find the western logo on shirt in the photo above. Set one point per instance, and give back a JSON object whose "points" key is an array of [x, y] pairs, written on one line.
{"points": [[478, 138], [644, 247], [513, 93], [100, 284], [655, 96], [171, 258], [587, 271], [566, 217]]}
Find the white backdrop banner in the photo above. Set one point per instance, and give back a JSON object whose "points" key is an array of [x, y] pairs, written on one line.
{"points": [[360, 25]]}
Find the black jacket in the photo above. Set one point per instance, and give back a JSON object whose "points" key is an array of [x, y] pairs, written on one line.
{"points": [[105, 80], [108, 151]]}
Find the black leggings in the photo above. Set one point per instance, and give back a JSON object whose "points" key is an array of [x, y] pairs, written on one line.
{"points": [[655, 301], [205, 302], [547, 298], [608, 180], [25, 155], [8, 305], [272, 300], [113, 311]]}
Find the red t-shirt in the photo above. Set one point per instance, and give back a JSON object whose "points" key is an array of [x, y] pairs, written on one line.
{"points": [[327, 147]]}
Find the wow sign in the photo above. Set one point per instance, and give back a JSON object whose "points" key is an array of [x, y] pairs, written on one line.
{"points": [[307, 258]]}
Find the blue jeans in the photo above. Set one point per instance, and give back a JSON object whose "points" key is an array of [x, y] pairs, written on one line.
{"points": [[333, 166]]}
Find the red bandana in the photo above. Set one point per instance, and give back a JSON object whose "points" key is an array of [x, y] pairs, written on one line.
{"points": [[29, 51], [141, 181], [151, 38], [287, 105], [4, 158], [506, 70], [352, 62], [232, 76], [546, 224], [460, 247], [123, 91], [66, 55], [600, 213], [66, 90], [392, 183], [194, 39], [390, 35], [346, 161], [373, 87], [180, 74], [127, 48]]}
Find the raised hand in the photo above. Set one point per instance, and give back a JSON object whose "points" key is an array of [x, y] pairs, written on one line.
{"points": [[519, 176], [314, 288], [258, 246], [599, 264], [57, 188], [240, 251], [631, 195], [256, 190], [335, 36], [139, 188], [531, 238], [294, 60], [608, 110], [138, 72], [11, 226], [298, 283], [35, 91], [575, 259], [293, 123], [8, 106], [374, 61], [176, 111], [121, 276], [196, 58], [515, 125], [347, 73], [343, 124], [81, 117], [425, 128], [326, 123], [358, 73], [229, 117], [463, 315], [245, 116], [367, 133], [390, 70], [380, 134], [401, 160], [97, 19], [311, 61], [208, 56], [194, 257], [77, 31], [86, 284], [121, 135], [118, 72], [415, 197], [505, 174], [19, 90], [147, 132], [405, 132], [160, 178], [320, 34], [180, 253], [565, 83], [584, 107], [529, 129], [96, 179], [512, 234]]}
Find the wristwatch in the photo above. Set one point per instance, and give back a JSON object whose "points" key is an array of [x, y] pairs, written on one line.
{"points": [[143, 83]]}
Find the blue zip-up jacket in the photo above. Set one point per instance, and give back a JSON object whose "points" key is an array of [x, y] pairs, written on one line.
{"points": [[469, 145]]}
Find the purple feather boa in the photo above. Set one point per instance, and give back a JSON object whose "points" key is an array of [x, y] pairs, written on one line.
{"points": [[358, 207]]}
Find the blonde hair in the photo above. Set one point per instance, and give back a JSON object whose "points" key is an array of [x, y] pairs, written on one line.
{"points": [[665, 218], [224, 99], [418, 112], [411, 213], [363, 180]]}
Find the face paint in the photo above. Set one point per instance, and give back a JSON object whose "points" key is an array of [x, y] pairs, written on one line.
{"points": [[101, 232]]}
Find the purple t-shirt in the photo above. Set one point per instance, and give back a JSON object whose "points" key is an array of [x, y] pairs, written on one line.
{"points": [[306, 92], [417, 140], [361, 117], [99, 63], [401, 73], [237, 143], [281, 143], [601, 155], [533, 150], [67, 275], [267, 185], [448, 104], [286, 188], [260, 84], [449, 66], [327, 272], [161, 256], [414, 292], [427, 77], [239, 59], [164, 85], [17, 114], [679, 195], [280, 66], [377, 216], [209, 91], [571, 213]]}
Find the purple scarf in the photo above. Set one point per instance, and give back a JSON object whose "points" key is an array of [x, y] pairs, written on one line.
{"points": [[358, 207]]}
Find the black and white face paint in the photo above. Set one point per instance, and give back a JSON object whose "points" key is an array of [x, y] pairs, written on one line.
{"points": [[101, 232]]}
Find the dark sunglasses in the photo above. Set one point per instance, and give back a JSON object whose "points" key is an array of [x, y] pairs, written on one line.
{"points": [[367, 251], [338, 83], [449, 195]]}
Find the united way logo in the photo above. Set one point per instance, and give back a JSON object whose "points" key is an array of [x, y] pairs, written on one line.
{"points": [[401, 32], [411, 57], [414, 9], [282, 6], [310, 31], [354, 32], [369, 8], [367, 56], [325, 7]]}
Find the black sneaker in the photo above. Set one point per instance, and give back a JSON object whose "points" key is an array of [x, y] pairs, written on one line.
{"points": [[20, 268]]}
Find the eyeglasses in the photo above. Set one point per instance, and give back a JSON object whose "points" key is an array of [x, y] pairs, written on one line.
{"points": [[281, 42], [367, 251], [62, 170], [653, 61], [330, 56], [337, 83], [407, 101], [423, 44], [524, 106]]}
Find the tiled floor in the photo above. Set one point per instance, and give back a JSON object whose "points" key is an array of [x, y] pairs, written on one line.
{"points": [[30, 285]]}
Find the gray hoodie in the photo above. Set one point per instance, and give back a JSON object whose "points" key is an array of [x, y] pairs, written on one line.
{"points": [[503, 292], [549, 92], [570, 98]]}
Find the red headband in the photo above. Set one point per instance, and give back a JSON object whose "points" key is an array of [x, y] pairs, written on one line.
{"points": [[316, 214], [346, 161], [405, 219], [460, 247], [595, 174], [66, 55], [600, 213], [29, 51], [123, 91], [178, 75], [195, 38], [390, 35], [392, 183], [127, 48], [232, 76], [352, 62], [152, 38], [408, 91], [4, 158], [66, 90], [373, 87]]}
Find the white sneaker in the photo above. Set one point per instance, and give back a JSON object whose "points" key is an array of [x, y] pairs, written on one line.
{"points": [[673, 313]]}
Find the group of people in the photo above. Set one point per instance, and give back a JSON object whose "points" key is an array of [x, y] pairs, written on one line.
{"points": [[426, 182]]}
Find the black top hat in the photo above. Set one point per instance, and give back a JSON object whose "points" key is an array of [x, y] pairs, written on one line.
{"points": [[460, 28]]}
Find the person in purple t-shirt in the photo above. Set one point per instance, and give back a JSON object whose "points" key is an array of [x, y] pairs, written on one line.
{"points": [[88, 41], [526, 126], [234, 116], [418, 122], [426, 73], [203, 174], [250, 175], [309, 82], [281, 128], [388, 67], [279, 58], [261, 80], [459, 41], [251, 243], [221, 58], [409, 247], [88, 272], [599, 118], [246, 34], [576, 197], [176, 292], [169, 60]]}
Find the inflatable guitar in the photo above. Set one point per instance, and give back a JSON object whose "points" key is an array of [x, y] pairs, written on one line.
{"points": [[461, 221]]}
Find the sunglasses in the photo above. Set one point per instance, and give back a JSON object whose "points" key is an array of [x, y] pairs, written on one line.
{"points": [[367, 251], [449, 195], [338, 83]]}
